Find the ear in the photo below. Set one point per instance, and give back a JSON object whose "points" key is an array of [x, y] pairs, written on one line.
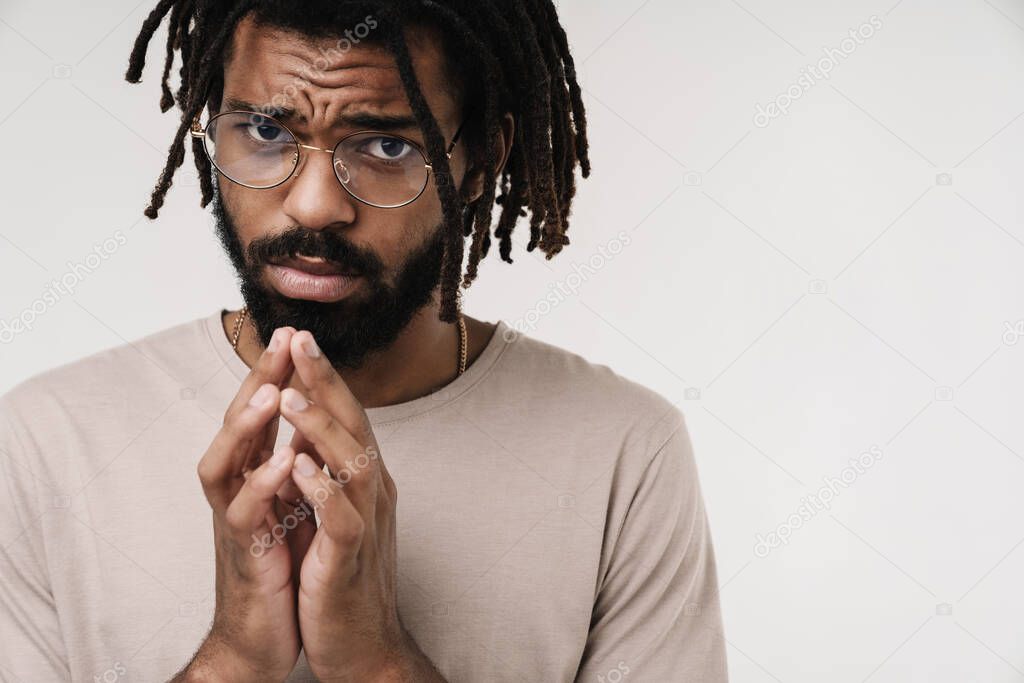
{"points": [[473, 183]]}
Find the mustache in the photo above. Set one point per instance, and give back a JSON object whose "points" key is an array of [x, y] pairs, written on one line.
{"points": [[315, 244]]}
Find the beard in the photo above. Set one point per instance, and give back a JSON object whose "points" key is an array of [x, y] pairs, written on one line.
{"points": [[365, 321]]}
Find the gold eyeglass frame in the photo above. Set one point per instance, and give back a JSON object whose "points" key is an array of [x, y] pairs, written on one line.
{"points": [[199, 131]]}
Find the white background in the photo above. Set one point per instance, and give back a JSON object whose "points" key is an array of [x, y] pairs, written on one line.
{"points": [[847, 276]]}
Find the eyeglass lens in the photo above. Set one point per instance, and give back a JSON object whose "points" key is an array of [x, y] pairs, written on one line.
{"points": [[258, 152]]}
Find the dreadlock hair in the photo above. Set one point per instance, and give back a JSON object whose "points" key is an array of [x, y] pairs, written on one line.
{"points": [[509, 56]]}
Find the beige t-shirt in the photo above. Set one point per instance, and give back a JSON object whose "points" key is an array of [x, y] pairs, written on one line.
{"points": [[550, 521]]}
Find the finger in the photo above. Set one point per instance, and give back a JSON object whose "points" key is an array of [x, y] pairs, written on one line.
{"points": [[351, 465], [289, 492], [270, 436], [263, 447], [301, 444], [300, 538], [279, 372], [340, 521], [220, 468], [250, 507], [273, 366], [232, 447], [327, 388]]}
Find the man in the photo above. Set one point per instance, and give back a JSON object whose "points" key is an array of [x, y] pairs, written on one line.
{"points": [[551, 524]]}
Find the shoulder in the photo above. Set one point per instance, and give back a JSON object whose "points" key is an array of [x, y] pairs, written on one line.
{"points": [[114, 379], [587, 398]]}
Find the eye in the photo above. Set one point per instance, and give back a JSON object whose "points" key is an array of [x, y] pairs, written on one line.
{"points": [[388, 149], [263, 130]]}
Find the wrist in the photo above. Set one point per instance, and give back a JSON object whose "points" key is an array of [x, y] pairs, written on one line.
{"points": [[405, 664], [216, 661], [383, 667]]}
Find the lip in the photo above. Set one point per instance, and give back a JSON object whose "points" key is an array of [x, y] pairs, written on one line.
{"points": [[313, 266], [294, 283]]}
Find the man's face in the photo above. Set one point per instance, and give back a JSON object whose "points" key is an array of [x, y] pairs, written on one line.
{"points": [[395, 253]]}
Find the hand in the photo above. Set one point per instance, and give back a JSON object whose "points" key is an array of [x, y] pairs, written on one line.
{"points": [[255, 630], [348, 614]]}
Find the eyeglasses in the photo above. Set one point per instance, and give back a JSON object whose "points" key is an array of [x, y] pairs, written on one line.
{"points": [[257, 151]]}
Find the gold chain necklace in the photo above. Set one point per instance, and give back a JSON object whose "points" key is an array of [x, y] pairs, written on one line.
{"points": [[240, 320]]}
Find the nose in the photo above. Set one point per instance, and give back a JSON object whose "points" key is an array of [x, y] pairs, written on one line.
{"points": [[315, 198]]}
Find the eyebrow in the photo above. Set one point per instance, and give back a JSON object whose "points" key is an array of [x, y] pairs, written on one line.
{"points": [[364, 119]]}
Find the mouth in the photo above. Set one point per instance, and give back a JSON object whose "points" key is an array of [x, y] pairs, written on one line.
{"points": [[314, 266], [312, 279]]}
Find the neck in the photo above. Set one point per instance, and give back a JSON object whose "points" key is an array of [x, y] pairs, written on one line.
{"points": [[424, 358]]}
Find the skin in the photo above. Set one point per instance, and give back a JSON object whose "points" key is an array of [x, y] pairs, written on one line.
{"points": [[265, 62], [327, 590], [255, 633]]}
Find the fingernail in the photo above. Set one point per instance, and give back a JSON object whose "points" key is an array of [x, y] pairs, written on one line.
{"points": [[275, 341], [262, 397], [305, 465], [295, 401], [311, 349], [279, 458]]}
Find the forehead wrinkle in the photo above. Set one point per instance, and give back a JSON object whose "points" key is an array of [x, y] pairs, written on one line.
{"points": [[323, 96], [365, 78], [304, 61], [291, 60], [323, 107]]}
